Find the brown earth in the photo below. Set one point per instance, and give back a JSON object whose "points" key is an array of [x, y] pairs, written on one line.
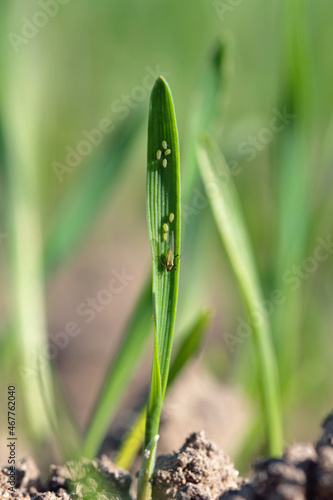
{"points": [[199, 471]]}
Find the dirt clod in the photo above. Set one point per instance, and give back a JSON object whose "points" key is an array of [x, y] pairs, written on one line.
{"points": [[244, 493], [191, 492], [279, 480], [198, 463]]}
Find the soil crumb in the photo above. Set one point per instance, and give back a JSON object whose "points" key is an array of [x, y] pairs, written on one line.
{"points": [[198, 471]]}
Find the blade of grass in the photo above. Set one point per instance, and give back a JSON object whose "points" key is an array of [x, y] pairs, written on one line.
{"points": [[203, 110], [21, 135], [294, 183], [119, 373], [190, 343], [206, 103], [82, 201], [162, 199], [228, 217]]}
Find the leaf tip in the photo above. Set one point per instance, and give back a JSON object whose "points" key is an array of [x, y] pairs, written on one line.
{"points": [[161, 85]]}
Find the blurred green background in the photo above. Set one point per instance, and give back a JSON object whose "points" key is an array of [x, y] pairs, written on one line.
{"points": [[78, 66]]}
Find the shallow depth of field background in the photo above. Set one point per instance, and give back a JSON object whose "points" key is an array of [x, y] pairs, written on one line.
{"points": [[69, 77]]}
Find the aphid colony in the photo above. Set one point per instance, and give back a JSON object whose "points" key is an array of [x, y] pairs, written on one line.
{"points": [[167, 151], [169, 257], [166, 226]]}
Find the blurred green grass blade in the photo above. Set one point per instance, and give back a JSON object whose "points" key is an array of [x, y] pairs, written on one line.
{"points": [[22, 134], [188, 347], [162, 199], [204, 109], [83, 199], [228, 217], [119, 373], [208, 99], [190, 343], [293, 174], [132, 443], [294, 179]]}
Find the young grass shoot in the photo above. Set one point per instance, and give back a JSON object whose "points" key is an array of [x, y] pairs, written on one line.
{"points": [[162, 199]]}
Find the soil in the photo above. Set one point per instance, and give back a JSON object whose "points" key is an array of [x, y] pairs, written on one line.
{"points": [[198, 471]]}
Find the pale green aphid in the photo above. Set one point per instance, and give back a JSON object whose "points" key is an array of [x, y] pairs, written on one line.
{"points": [[158, 154], [171, 217], [167, 152], [165, 236], [170, 256], [165, 227], [164, 144], [164, 163]]}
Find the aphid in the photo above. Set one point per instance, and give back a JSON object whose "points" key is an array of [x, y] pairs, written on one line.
{"points": [[164, 163], [170, 256], [169, 260], [167, 152], [158, 154], [171, 217], [164, 144], [165, 227], [165, 236]]}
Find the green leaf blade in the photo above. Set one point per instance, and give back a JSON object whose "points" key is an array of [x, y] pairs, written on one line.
{"points": [[213, 79], [227, 212], [163, 220], [163, 198]]}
